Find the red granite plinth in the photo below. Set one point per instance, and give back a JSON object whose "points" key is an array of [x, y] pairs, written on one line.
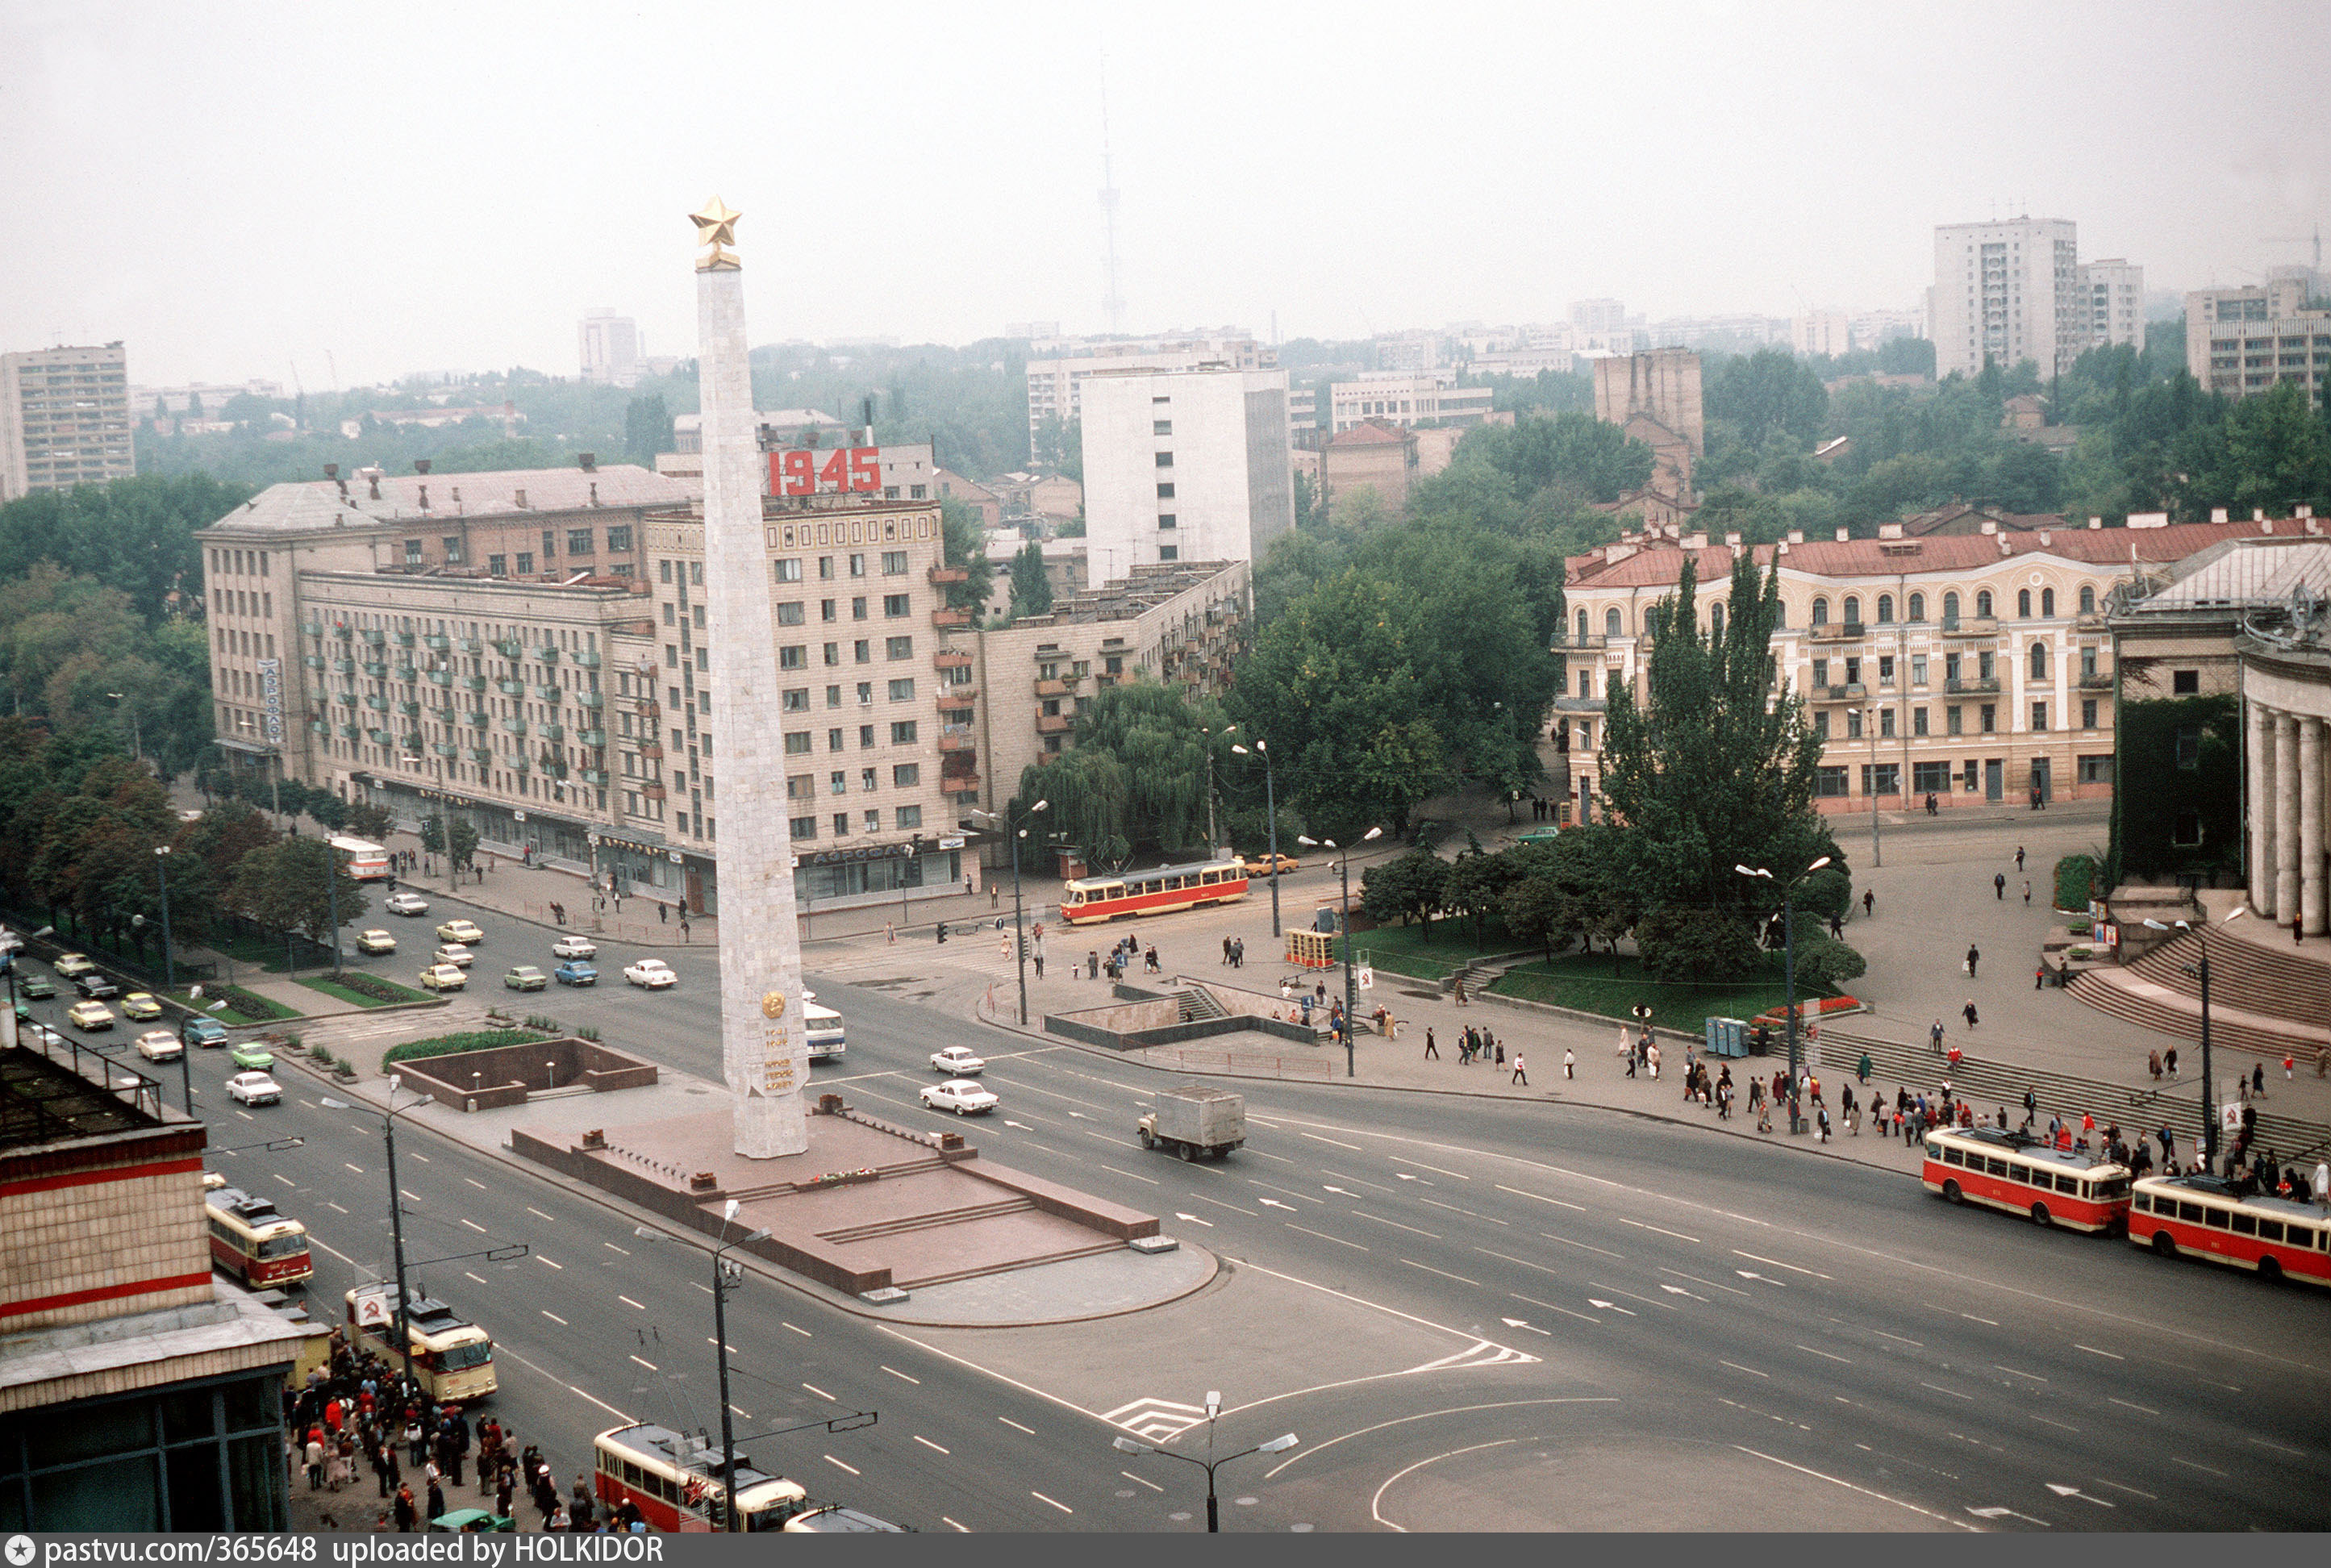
{"points": [[869, 1205]]}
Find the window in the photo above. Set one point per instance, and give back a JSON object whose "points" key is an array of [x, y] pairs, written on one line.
{"points": [[837, 783], [858, 608], [2089, 713], [1820, 723], [1886, 723], [619, 537], [797, 699], [1853, 672], [842, 824], [833, 652], [1821, 672], [1917, 606], [1821, 612], [1886, 609], [796, 743], [909, 817], [1169, 552], [1854, 724], [579, 541], [903, 690], [895, 605], [1611, 622], [790, 613], [2189, 746], [1830, 783], [2095, 770], [1884, 778], [2039, 661], [862, 651], [2088, 663], [833, 740], [696, 574], [1950, 609], [792, 656], [2023, 603], [1886, 669], [1165, 489], [1165, 460], [1952, 722], [898, 646], [829, 608], [526, 563], [1983, 669], [1168, 520], [1918, 721], [671, 658], [2185, 683], [2048, 604], [906, 775], [2039, 715], [1917, 669], [1716, 623], [412, 552], [1990, 718], [497, 566], [902, 731], [1930, 777], [833, 693], [803, 827], [2087, 599], [825, 567], [663, 571], [1161, 427], [858, 565], [1586, 684], [865, 736], [867, 778], [894, 563], [865, 694], [1983, 603], [1853, 609]]}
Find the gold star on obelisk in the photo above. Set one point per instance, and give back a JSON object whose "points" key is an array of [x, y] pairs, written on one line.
{"points": [[716, 226]]}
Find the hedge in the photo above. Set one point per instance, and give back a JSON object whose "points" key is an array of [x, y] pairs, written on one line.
{"points": [[468, 1040], [2075, 876]]}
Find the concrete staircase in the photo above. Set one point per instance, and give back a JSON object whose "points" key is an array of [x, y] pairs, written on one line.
{"points": [[2262, 1002], [1196, 1003]]}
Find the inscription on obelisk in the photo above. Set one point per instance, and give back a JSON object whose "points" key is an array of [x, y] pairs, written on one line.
{"points": [[764, 1054]]}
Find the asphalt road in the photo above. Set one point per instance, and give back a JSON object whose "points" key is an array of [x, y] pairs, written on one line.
{"points": [[1632, 1323]]}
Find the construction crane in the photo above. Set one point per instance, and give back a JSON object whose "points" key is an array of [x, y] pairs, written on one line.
{"points": [[2315, 239]]}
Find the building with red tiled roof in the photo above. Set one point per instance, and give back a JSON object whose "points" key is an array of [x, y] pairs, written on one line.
{"points": [[1965, 667], [1374, 453]]}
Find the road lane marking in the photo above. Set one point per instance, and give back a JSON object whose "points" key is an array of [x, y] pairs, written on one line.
{"points": [[1850, 1486], [1455, 1209], [245, 1114], [1776, 1263], [480, 1229], [1566, 1242], [550, 1315], [2192, 1466], [1541, 1197], [2059, 1425], [1444, 1273], [1317, 1139], [1419, 1164], [479, 1278], [894, 1371], [1395, 1224], [651, 1367], [343, 1257], [629, 1302], [1282, 1191], [838, 1464], [1151, 1180], [1323, 1236], [1355, 1181], [1696, 1279], [2147, 1409], [1751, 1371], [1129, 1475], [504, 1350], [1525, 1262], [2092, 1350], [358, 1169], [1234, 1208], [538, 1258], [1639, 1225], [804, 1333], [964, 1528], [611, 1247], [334, 1208], [930, 1444], [1824, 1354], [1663, 1305], [1550, 1307], [1015, 1425], [481, 1186], [403, 1194], [423, 1158], [2011, 1372], [1040, 1496], [2132, 1491], [1375, 1503], [2278, 1448], [539, 1214], [1989, 1322], [817, 1391], [1955, 1393]]}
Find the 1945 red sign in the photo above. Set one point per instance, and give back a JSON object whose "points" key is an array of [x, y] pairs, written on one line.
{"points": [[807, 471]]}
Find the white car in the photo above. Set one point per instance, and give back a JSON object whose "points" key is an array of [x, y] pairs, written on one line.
{"points": [[405, 904], [10, 942], [453, 953], [160, 1045], [574, 947], [961, 1096], [959, 1060], [653, 973], [254, 1088]]}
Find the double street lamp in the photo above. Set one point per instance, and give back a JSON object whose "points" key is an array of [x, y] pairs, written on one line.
{"points": [[1270, 809], [1277, 1445], [726, 1274], [1789, 961], [2200, 971], [1016, 829], [396, 1204], [1351, 989]]}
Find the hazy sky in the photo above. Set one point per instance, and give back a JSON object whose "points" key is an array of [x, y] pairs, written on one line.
{"points": [[236, 186]]}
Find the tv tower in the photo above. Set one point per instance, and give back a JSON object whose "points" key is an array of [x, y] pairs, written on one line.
{"points": [[1112, 302]]}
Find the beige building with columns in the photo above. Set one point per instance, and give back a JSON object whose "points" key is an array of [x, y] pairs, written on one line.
{"points": [[2287, 703]]}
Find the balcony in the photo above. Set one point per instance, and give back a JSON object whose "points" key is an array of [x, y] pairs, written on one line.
{"points": [[311, 628], [1969, 625], [519, 762], [1054, 724], [312, 661], [408, 708], [950, 659], [318, 695], [470, 645], [550, 693], [555, 768], [318, 727], [342, 629], [437, 645], [514, 725], [1976, 686], [478, 718], [959, 784], [1051, 689], [593, 737], [473, 683], [350, 731], [596, 776], [1575, 644], [653, 792], [1843, 691], [959, 737], [445, 748], [552, 731], [2089, 621], [344, 666], [960, 693], [587, 659], [441, 676], [374, 636], [650, 708], [547, 654], [945, 619], [590, 699], [377, 736], [510, 688], [509, 648], [2094, 680], [346, 698], [1839, 631], [405, 639], [481, 757], [403, 672], [377, 670], [652, 751], [377, 704]]}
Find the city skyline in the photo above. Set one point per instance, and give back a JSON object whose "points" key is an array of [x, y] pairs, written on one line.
{"points": [[329, 253]]}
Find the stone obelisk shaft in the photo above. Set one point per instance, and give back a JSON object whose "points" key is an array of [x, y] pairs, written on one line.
{"points": [[763, 1051]]}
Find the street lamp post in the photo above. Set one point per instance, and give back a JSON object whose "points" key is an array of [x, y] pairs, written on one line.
{"points": [[1351, 988], [332, 896], [1277, 1445], [1271, 810], [1871, 722], [725, 1277], [1789, 963], [1016, 830], [162, 874], [1213, 839], [395, 1208], [2201, 972]]}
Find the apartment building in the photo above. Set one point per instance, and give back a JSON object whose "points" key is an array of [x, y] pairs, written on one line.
{"points": [[2240, 342], [1974, 667], [1058, 369], [64, 419], [611, 349], [1822, 333], [2009, 291], [1374, 453], [2112, 296], [1184, 465], [1405, 399]]}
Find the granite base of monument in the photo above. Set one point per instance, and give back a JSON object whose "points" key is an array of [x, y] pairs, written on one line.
{"points": [[870, 1206]]}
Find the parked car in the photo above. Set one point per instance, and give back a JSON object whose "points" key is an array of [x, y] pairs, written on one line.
{"points": [[254, 1088], [252, 1054], [375, 942], [961, 1095], [36, 986], [405, 904], [444, 977], [160, 1045], [10, 942], [95, 987], [574, 972], [526, 977], [574, 947], [453, 953], [70, 965], [141, 1005], [90, 1016], [465, 932], [1259, 865], [203, 1030], [654, 974], [958, 1061]]}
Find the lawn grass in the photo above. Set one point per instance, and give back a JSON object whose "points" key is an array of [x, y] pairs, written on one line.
{"points": [[1407, 950], [251, 1009], [1587, 982], [405, 993]]}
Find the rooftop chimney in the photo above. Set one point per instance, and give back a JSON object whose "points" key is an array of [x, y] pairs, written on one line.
{"points": [[1796, 535], [375, 486], [595, 493], [2096, 522], [331, 471], [1889, 530], [420, 465], [2302, 511], [425, 497], [1844, 535], [1989, 526], [589, 460], [521, 500], [1732, 538], [2257, 514], [2217, 514]]}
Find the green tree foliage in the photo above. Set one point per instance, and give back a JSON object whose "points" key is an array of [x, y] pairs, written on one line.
{"points": [[1477, 887], [1766, 396], [76, 652], [135, 535], [369, 820], [462, 837], [1031, 587], [291, 886], [1571, 450], [647, 430], [1681, 942], [1825, 964], [966, 546], [1414, 886], [2186, 818], [1136, 776]]}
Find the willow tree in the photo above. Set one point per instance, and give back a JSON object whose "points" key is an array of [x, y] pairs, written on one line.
{"points": [[1134, 781], [1717, 768]]}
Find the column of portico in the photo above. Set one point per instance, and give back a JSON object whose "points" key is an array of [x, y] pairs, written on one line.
{"points": [[2285, 815], [2261, 781], [2310, 825]]}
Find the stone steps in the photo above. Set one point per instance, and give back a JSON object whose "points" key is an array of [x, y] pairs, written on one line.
{"points": [[2127, 994], [1196, 1002], [1088, 1249], [912, 1223]]}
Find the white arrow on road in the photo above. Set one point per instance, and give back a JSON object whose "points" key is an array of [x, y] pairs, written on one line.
{"points": [[1080, 1116], [1023, 1126], [1404, 1176], [1745, 1274], [1679, 1290], [2009, 1514], [1534, 1328], [1194, 1220], [1338, 1191], [1607, 1306], [1275, 1204], [2075, 1492]]}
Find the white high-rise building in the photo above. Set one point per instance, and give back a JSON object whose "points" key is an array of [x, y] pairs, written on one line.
{"points": [[64, 419], [1188, 465], [2007, 291], [612, 348], [2114, 292], [1058, 369]]}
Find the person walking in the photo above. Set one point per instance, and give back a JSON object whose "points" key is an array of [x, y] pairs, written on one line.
{"points": [[1999, 886], [436, 1499], [1935, 1038], [1861, 1069], [663, 913], [1868, 904], [1627, 1049], [1973, 957], [2289, 1063], [1521, 1073], [2027, 892], [1969, 1011], [2018, 857], [1569, 1064], [1652, 1060], [2169, 1060], [1431, 1051], [1456, 990], [406, 1511]]}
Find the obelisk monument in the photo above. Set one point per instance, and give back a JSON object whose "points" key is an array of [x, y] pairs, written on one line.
{"points": [[764, 1054]]}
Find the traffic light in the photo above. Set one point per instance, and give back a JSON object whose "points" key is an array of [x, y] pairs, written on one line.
{"points": [[942, 931]]}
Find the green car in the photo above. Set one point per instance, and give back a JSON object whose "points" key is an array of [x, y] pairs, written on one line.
{"points": [[39, 987], [526, 977], [251, 1054]]}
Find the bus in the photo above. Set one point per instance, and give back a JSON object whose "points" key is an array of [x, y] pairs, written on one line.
{"points": [[252, 1242], [364, 860], [452, 1358], [1159, 891], [2202, 1217], [675, 1482], [2022, 1175], [822, 1027]]}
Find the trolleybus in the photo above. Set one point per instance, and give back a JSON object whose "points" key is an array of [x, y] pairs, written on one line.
{"points": [[365, 861], [452, 1358], [2022, 1175], [255, 1243], [1156, 891], [2202, 1217], [675, 1482]]}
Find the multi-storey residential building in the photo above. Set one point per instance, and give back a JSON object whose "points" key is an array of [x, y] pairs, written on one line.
{"points": [[1408, 353], [1972, 667], [1822, 332], [64, 419], [1180, 624], [2112, 296], [1184, 465], [1058, 369], [611, 349], [2240, 342], [2007, 291], [1374, 453], [1426, 397]]}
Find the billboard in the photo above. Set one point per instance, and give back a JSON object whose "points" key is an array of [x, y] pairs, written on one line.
{"points": [[271, 692]]}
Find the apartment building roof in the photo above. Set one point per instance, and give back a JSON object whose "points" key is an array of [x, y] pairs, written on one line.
{"points": [[1149, 585], [309, 505]]}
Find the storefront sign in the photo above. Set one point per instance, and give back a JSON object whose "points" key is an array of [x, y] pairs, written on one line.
{"points": [[862, 853]]}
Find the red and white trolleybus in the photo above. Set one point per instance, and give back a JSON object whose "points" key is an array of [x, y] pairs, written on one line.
{"points": [[2202, 1216], [675, 1482], [1156, 891], [251, 1240], [2022, 1175]]}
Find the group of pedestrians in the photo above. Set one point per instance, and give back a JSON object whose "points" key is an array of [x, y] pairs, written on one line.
{"points": [[1476, 1043]]}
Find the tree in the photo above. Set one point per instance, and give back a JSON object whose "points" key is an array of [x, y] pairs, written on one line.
{"points": [[432, 834], [1136, 776], [294, 885], [1032, 586], [369, 820], [1477, 886], [1680, 943], [1825, 964], [1768, 395], [964, 543], [463, 843], [647, 429], [1415, 885]]}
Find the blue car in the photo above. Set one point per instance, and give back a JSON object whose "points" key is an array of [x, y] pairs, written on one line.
{"points": [[201, 1030], [574, 971]]}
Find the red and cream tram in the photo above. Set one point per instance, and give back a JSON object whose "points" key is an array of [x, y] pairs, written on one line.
{"points": [[675, 1482], [2202, 1216], [1159, 891], [2022, 1175]]}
